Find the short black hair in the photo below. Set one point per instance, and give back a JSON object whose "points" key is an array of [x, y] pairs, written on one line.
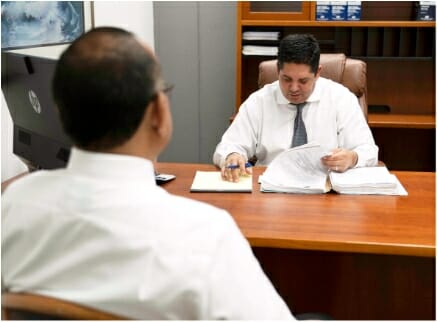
{"points": [[102, 85], [299, 49]]}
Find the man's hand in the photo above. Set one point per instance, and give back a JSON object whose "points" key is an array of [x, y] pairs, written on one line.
{"points": [[340, 160], [233, 174]]}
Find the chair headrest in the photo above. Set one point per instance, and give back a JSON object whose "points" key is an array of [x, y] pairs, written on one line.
{"points": [[333, 66]]}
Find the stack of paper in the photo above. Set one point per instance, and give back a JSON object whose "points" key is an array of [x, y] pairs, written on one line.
{"points": [[369, 180], [261, 35], [211, 181], [260, 50], [297, 170], [300, 170]]}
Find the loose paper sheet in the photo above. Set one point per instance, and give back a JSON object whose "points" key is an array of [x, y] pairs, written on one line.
{"points": [[211, 181]]}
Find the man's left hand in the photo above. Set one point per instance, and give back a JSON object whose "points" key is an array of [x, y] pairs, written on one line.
{"points": [[340, 160]]}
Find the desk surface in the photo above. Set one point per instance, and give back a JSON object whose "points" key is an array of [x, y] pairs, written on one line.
{"points": [[329, 222]]}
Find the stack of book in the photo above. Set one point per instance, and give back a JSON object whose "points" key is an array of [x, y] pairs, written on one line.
{"points": [[426, 11], [338, 10], [261, 35], [260, 50], [259, 47]]}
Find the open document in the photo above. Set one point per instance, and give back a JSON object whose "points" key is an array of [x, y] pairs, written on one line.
{"points": [[297, 170], [300, 170], [367, 181]]}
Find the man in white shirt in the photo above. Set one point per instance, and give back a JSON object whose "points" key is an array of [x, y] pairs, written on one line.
{"points": [[265, 122], [101, 232]]}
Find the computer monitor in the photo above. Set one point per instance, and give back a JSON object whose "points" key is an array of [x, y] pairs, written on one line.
{"points": [[38, 137]]}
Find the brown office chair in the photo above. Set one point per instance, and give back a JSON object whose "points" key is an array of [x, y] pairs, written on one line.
{"points": [[352, 73], [26, 306]]}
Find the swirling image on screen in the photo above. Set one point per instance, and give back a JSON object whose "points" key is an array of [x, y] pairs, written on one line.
{"points": [[37, 23]]}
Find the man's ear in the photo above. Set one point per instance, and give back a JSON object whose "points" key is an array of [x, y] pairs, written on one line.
{"points": [[319, 69], [157, 114]]}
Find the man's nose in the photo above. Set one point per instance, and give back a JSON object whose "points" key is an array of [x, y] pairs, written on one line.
{"points": [[293, 87]]}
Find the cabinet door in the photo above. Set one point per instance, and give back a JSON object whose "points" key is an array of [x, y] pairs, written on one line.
{"points": [[276, 10]]}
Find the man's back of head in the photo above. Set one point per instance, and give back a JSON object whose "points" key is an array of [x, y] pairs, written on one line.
{"points": [[102, 85], [101, 232]]}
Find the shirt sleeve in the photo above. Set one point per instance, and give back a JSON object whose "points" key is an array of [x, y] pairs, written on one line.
{"points": [[354, 132], [240, 137], [238, 287]]}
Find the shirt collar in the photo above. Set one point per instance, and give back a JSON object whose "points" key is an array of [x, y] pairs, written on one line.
{"points": [[111, 166], [282, 100]]}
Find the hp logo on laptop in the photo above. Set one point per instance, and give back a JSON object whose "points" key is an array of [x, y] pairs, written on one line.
{"points": [[33, 99]]}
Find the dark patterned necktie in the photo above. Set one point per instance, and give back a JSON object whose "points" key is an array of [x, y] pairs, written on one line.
{"points": [[299, 131]]}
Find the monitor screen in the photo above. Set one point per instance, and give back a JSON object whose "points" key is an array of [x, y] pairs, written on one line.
{"points": [[40, 23], [38, 135]]}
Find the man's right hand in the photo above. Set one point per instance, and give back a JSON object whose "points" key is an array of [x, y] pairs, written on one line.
{"points": [[233, 174]]}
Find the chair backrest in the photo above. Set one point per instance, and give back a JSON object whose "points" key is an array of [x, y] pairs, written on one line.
{"points": [[26, 306], [352, 73]]}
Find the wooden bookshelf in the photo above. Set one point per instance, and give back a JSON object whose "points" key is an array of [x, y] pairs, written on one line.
{"points": [[407, 121], [419, 24], [399, 53]]}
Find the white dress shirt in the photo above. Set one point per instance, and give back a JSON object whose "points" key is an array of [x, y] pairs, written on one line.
{"points": [[101, 233], [264, 124]]}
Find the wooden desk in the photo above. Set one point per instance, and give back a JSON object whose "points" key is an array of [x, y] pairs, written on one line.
{"points": [[354, 257]]}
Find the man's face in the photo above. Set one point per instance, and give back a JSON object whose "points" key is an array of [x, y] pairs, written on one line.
{"points": [[297, 82]]}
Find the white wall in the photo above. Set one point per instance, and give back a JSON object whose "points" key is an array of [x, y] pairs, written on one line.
{"points": [[135, 16], [11, 165]]}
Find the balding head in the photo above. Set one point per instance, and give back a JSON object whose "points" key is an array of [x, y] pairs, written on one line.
{"points": [[102, 85]]}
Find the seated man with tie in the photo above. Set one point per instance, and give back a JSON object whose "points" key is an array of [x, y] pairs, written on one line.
{"points": [[300, 107]]}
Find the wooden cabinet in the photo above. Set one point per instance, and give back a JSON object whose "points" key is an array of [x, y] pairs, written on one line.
{"points": [[276, 10], [400, 57]]}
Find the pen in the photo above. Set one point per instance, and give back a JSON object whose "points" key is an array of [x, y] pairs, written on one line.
{"points": [[236, 166]]}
